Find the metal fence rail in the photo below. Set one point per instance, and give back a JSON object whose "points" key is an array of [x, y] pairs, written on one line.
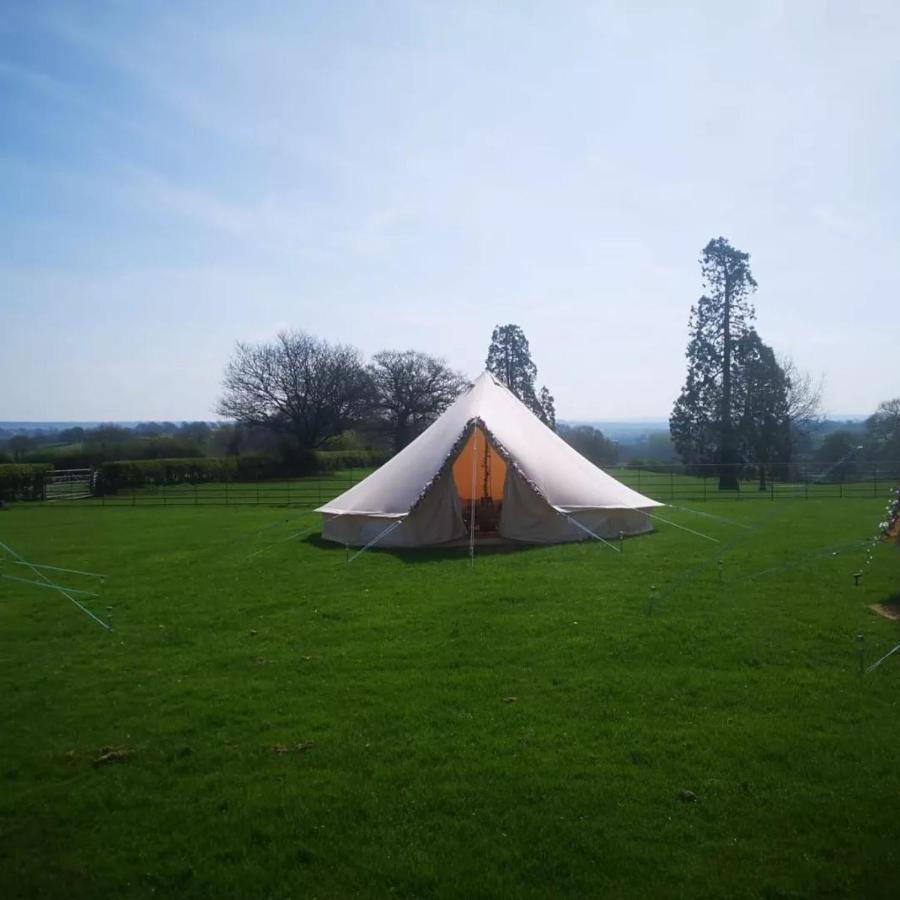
{"points": [[672, 483], [306, 493], [667, 483]]}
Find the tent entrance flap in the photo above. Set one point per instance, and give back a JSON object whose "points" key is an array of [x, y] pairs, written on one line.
{"points": [[480, 459]]}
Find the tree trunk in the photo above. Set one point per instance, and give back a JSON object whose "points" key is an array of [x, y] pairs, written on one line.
{"points": [[728, 480], [400, 432]]}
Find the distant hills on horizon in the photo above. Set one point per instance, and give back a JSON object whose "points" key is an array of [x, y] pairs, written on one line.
{"points": [[615, 429]]}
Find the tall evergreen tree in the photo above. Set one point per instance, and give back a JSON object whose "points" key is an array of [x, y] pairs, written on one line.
{"points": [[509, 358], [763, 395], [703, 421]]}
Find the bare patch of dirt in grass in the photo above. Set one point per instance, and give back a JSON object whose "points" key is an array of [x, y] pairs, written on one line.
{"points": [[890, 608], [108, 755], [302, 747]]}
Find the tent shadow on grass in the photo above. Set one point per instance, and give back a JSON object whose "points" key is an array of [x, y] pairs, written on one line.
{"points": [[426, 554]]}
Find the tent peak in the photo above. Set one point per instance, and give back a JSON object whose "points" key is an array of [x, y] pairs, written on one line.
{"points": [[488, 376]]}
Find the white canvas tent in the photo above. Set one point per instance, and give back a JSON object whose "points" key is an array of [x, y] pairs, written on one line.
{"points": [[488, 467]]}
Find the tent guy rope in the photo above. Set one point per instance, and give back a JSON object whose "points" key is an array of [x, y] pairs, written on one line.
{"points": [[55, 586], [49, 587], [584, 528], [699, 534], [376, 539]]}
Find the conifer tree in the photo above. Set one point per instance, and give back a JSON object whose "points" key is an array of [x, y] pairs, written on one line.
{"points": [[509, 358], [703, 421]]}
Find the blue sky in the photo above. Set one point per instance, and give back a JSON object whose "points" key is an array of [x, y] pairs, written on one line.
{"points": [[174, 177]]}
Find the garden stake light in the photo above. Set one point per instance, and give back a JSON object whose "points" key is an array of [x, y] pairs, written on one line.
{"points": [[651, 600]]}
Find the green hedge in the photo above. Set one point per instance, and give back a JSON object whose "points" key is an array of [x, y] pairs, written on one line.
{"points": [[135, 473], [92, 454], [332, 460], [22, 481]]}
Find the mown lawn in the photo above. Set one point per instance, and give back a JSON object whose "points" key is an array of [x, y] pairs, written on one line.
{"points": [[410, 726]]}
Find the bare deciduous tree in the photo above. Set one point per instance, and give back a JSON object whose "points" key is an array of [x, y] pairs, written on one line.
{"points": [[804, 394], [411, 390], [298, 385]]}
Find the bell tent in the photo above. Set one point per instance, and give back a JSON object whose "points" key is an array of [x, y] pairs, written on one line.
{"points": [[488, 468]]}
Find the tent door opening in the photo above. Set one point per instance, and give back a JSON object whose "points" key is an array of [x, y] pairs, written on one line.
{"points": [[480, 486]]}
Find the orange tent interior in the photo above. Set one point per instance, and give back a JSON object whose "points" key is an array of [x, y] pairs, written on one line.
{"points": [[489, 478]]}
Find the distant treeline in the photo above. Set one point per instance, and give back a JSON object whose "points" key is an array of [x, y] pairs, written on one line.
{"points": [[824, 446], [79, 447]]}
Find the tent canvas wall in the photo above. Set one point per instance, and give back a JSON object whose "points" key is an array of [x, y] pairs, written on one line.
{"points": [[489, 460]]}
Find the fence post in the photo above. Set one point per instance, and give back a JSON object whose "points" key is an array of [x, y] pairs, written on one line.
{"points": [[226, 493], [875, 481], [257, 493]]}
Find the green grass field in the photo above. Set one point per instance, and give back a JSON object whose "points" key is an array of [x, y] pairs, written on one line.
{"points": [[409, 726]]}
